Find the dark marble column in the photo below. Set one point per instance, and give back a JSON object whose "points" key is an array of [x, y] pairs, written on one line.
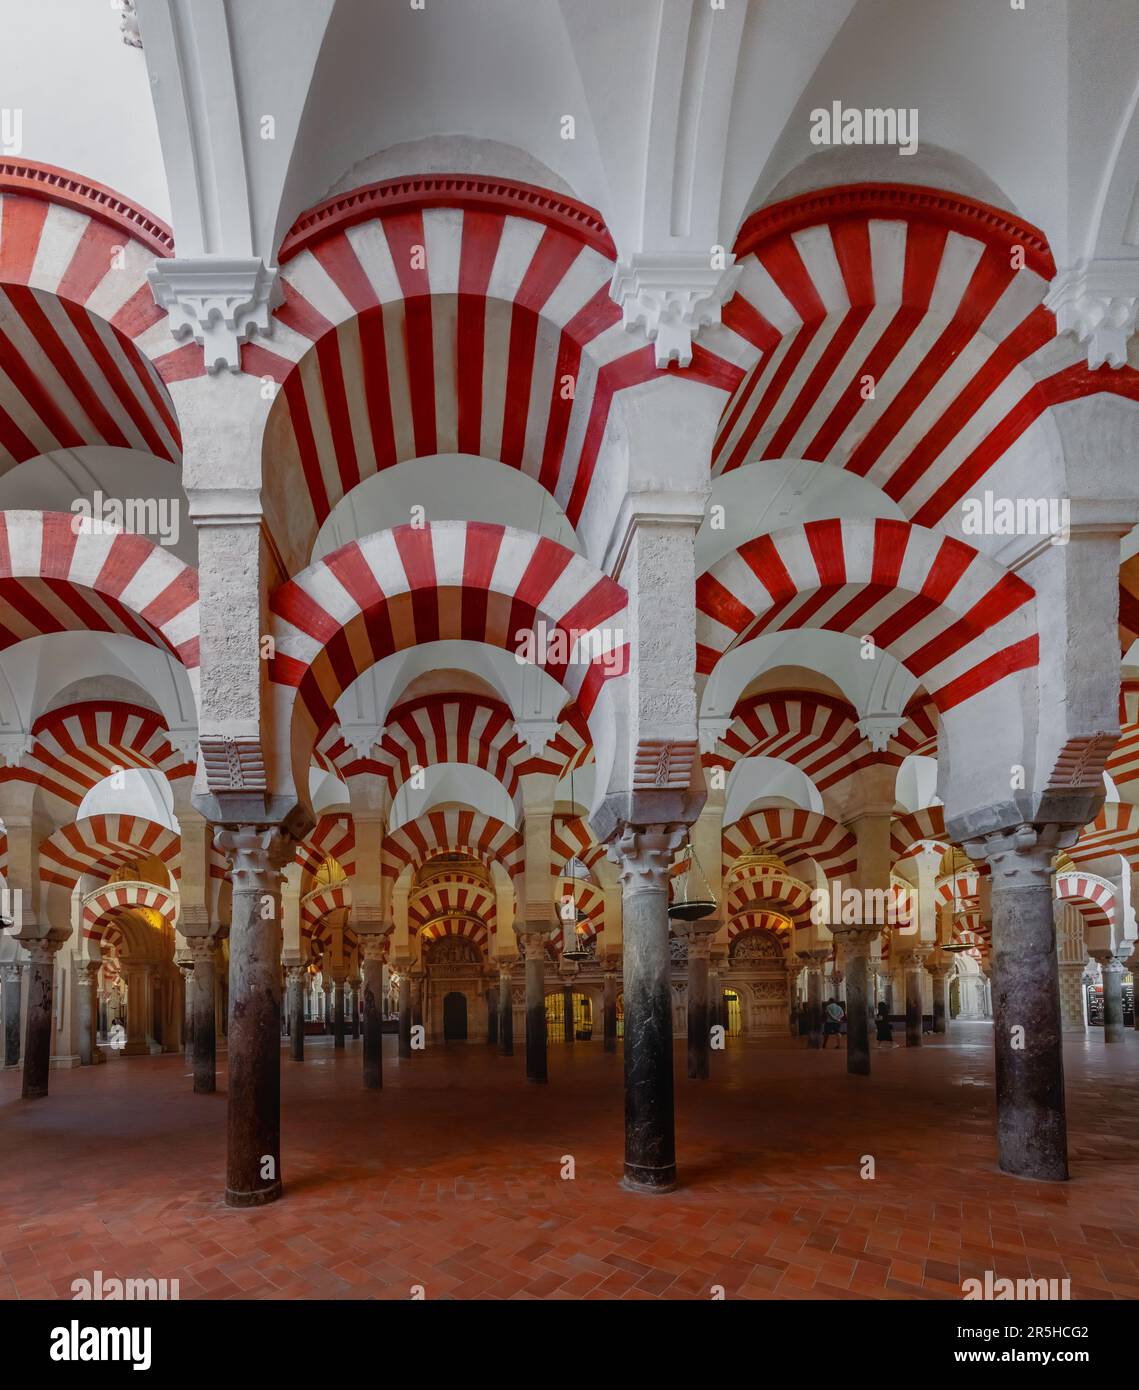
{"points": [[609, 1012], [203, 952], [567, 1013], [492, 1017], [1111, 971], [37, 1030], [914, 971], [354, 1006], [815, 998], [338, 990], [1032, 1131], [187, 969], [532, 942], [417, 981], [644, 856], [12, 974], [939, 972], [86, 999], [298, 982], [505, 1013], [253, 1150], [405, 1011], [698, 937], [372, 947], [794, 969], [856, 954]]}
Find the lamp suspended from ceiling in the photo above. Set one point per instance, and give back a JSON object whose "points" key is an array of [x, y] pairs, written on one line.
{"points": [[690, 904]]}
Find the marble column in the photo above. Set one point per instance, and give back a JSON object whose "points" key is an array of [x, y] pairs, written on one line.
{"points": [[298, 985], [1133, 965], [939, 972], [815, 961], [417, 979], [11, 975], [326, 983], [404, 1049], [609, 1012], [492, 1017], [37, 1030], [1111, 971], [1071, 977], [532, 943], [138, 1008], [856, 943], [203, 952], [338, 990], [644, 856], [1032, 1134], [86, 975], [372, 948], [698, 938], [505, 1012], [794, 969], [253, 1151], [354, 1006], [187, 969], [914, 971]]}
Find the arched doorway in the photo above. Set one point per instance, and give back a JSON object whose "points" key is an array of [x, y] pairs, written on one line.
{"points": [[455, 1017]]}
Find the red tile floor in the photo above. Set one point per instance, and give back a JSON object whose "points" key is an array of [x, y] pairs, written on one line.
{"points": [[450, 1179]]}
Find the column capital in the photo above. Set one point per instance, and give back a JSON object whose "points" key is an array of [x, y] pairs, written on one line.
{"points": [[42, 951], [257, 855], [10, 971], [87, 969], [202, 949], [644, 853], [373, 945], [1021, 855], [855, 940], [1109, 962], [296, 973], [916, 956], [532, 938]]}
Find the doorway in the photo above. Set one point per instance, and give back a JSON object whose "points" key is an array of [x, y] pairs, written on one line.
{"points": [[455, 1017]]}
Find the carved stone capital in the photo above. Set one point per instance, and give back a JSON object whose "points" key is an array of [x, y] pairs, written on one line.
{"points": [[373, 945], [1021, 855], [855, 940], [42, 950], [257, 854], [87, 970], [203, 949], [879, 729], [219, 301], [1097, 302], [532, 938], [644, 854], [671, 298], [233, 764], [1109, 962]]}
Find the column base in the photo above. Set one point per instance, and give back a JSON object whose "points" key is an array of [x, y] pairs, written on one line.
{"points": [[65, 1062], [262, 1197], [639, 1179]]}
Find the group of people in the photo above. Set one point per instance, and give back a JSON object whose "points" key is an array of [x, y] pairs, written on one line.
{"points": [[834, 1023]]}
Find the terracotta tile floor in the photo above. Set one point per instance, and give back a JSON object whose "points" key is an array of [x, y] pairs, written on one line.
{"points": [[449, 1179]]}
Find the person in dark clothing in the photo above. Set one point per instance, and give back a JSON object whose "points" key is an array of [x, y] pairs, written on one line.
{"points": [[883, 1028]]}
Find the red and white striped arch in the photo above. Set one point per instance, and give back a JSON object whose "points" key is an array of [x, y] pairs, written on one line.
{"points": [[816, 733], [472, 929], [83, 346], [332, 837], [1128, 599], [98, 844], [1092, 896], [1123, 762], [950, 615], [448, 580], [1114, 831], [797, 836], [765, 885], [447, 314], [572, 838], [760, 922], [914, 292], [452, 831], [453, 899], [78, 745], [100, 907], [962, 889], [908, 833], [317, 905], [55, 577], [459, 728], [917, 734]]}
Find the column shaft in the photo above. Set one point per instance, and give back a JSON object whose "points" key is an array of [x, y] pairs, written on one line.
{"points": [[37, 1034], [373, 1020], [298, 980], [12, 975], [87, 986], [535, 1011], [567, 1011], [699, 1024], [404, 1014], [505, 1015], [857, 1004], [914, 970], [205, 1018], [609, 1012]]}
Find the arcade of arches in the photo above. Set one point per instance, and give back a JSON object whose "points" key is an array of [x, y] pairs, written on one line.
{"points": [[469, 591]]}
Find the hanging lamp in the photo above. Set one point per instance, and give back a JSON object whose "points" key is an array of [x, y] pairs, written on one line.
{"points": [[689, 905]]}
